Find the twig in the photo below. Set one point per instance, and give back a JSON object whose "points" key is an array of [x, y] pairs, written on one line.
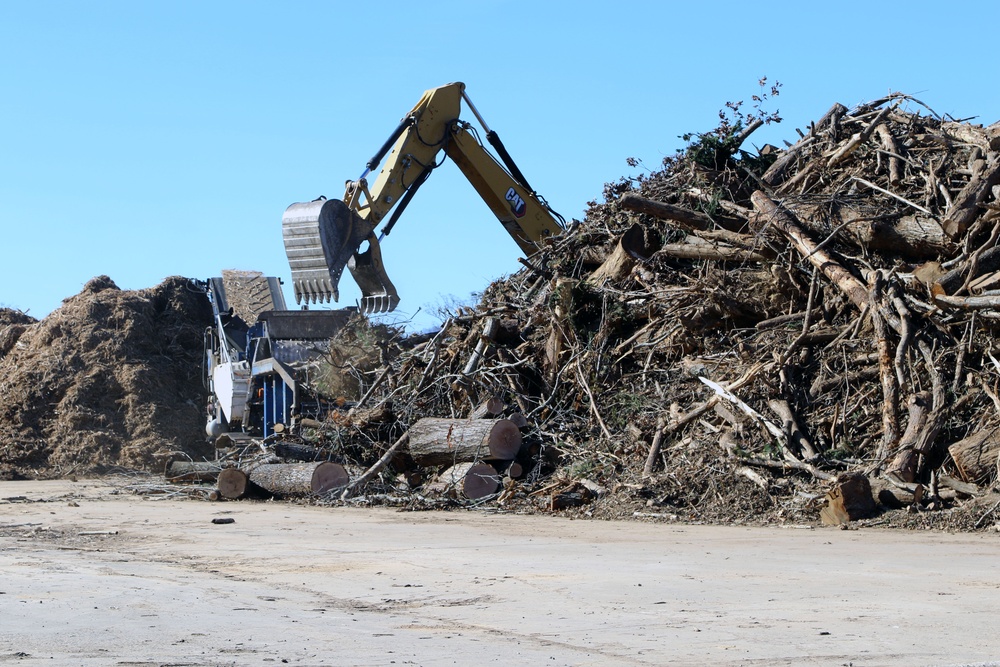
{"points": [[376, 467], [893, 195], [593, 403]]}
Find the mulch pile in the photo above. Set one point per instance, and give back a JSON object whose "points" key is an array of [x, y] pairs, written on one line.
{"points": [[111, 379]]}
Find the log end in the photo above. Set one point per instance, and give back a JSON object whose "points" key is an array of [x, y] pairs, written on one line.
{"points": [[504, 440], [480, 481], [232, 483], [329, 476]]}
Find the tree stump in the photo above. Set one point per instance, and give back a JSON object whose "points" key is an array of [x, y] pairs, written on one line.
{"points": [[850, 499]]}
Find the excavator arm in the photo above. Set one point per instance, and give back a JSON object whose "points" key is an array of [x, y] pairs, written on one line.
{"points": [[323, 236]]}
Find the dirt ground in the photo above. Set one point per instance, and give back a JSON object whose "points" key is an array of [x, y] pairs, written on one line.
{"points": [[93, 575]]}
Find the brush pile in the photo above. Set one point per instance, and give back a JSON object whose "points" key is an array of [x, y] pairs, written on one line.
{"points": [[744, 337]]}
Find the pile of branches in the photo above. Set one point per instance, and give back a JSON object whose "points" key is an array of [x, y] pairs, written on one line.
{"points": [[729, 337]]}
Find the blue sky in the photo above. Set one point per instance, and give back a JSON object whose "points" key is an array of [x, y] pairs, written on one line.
{"points": [[148, 139]]}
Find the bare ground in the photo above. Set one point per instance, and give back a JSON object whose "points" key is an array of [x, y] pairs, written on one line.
{"points": [[96, 576]]}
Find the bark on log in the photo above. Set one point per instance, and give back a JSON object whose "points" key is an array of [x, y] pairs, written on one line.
{"points": [[987, 138], [444, 442], [987, 261], [895, 152], [796, 437], [299, 479], [968, 302], [976, 456], [178, 472], [832, 269], [904, 465], [966, 207], [300, 452], [490, 328], [471, 480], [684, 218], [850, 499], [711, 252]]}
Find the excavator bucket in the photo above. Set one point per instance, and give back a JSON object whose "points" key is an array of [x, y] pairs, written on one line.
{"points": [[379, 294], [320, 237]]}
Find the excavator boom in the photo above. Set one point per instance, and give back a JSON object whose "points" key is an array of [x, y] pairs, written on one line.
{"points": [[323, 236]]}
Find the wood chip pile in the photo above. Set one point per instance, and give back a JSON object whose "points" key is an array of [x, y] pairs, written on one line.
{"points": [[111, 380], [739, 338]]}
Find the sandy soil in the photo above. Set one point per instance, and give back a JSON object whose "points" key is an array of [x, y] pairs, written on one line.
{"points": [[92, 576]]}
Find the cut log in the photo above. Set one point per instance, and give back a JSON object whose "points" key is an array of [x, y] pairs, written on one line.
{"points": [[480, 481], [519, 420], [711, 252], [470, 480], [491, 407], [299, 479], [967, 202], [234, 484], [904, 464], [179, 472], [444, 442], [850, 499], [976, 456], [896, 496]]}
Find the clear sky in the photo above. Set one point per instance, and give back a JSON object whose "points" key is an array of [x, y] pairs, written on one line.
{"points": [[148, 139]]}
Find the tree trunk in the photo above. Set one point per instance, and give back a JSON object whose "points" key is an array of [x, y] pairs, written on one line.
{"points": [[299, 479], [684, 218], [178, 472], [443, 442], [976, 456], [853, 288]]}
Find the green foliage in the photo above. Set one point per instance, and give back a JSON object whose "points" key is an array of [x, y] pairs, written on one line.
{"points": [[624, 409], [717, 148]]}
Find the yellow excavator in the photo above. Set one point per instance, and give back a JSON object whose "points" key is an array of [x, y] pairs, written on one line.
{"points": [[323, 236]]}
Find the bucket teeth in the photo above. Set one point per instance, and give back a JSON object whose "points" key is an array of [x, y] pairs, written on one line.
{"points": [[320, 237]]}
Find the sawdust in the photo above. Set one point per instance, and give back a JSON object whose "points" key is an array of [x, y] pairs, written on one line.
{"points": [[110, 379]]}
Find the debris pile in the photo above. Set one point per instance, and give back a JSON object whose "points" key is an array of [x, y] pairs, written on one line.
{"points": [[739, 337], [110, 379]]}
